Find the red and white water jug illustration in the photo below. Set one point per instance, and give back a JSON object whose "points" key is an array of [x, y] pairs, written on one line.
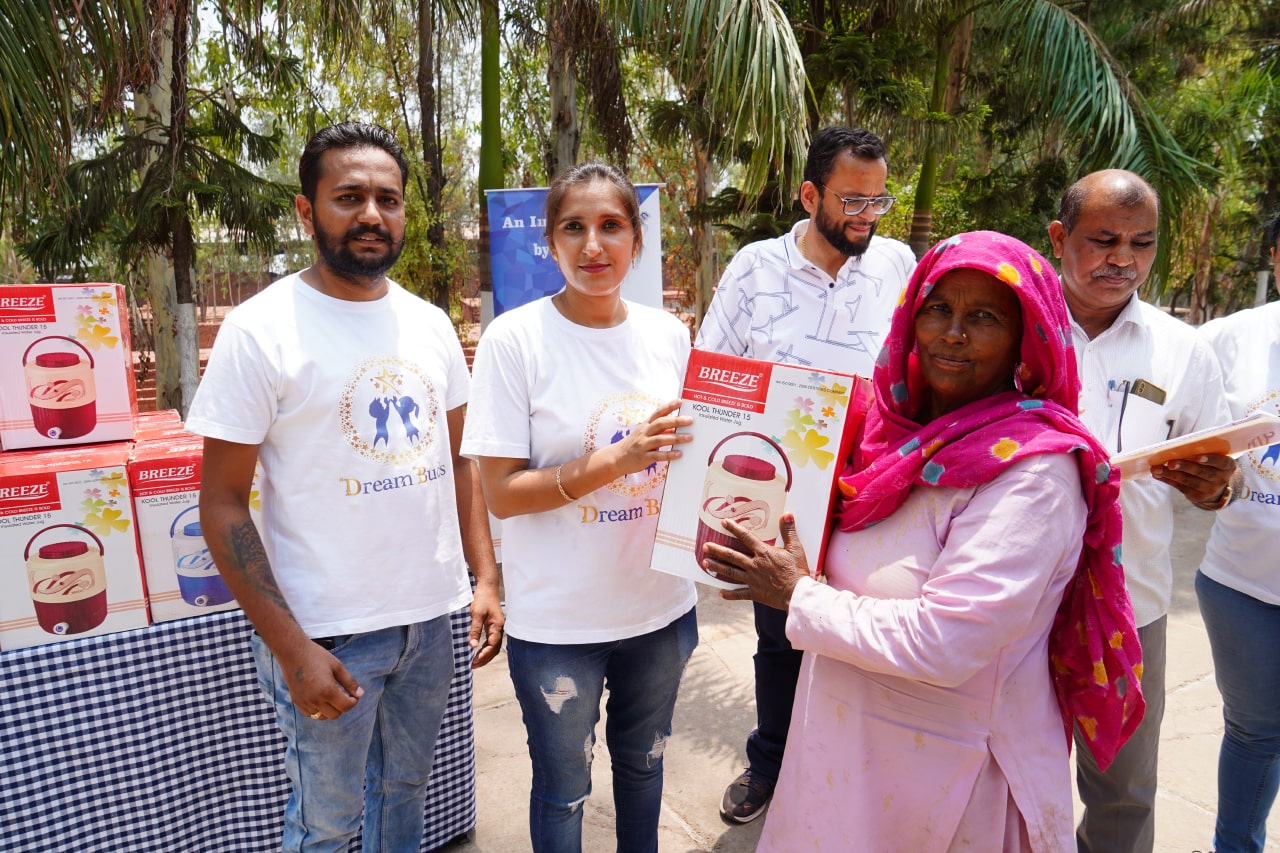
{"points": [[746, 489], [60, 389], [198, 578], [68, 583]]}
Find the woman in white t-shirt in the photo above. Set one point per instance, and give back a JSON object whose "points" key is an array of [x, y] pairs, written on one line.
{"points": [[571, 420], [1238, 585]]}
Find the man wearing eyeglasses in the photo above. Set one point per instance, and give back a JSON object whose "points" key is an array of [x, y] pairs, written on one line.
{"points": [[820, 295], [1145, 377]]}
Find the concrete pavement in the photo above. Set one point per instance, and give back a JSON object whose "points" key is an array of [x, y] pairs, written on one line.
{"points": [[716, 710]]}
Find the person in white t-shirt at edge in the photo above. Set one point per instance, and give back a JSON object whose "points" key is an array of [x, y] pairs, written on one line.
{"points": [[1145, 377], [350, 391], [1238, 585], [823, 295], [572, 425]]}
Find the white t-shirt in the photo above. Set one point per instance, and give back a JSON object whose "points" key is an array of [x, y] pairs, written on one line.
{"points": [[1239, 553], [347, 402], [774, 305], [1144, 343], [549, 390]]}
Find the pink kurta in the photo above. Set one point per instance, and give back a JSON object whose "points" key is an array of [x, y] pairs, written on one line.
{"points": [[925, 683]]}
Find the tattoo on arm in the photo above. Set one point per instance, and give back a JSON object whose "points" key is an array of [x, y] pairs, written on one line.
{"points": [[251, 563]]}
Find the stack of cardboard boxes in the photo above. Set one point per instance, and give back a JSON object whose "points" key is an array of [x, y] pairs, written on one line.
{"points": [[90, 491]]}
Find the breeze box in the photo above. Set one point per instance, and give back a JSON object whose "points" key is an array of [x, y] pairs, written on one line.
{"points": [[70, 566], [66, 367], [767, 438], [182, 579]]}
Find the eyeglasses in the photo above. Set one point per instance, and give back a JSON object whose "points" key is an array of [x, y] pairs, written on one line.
{"points": [[880, 205]]}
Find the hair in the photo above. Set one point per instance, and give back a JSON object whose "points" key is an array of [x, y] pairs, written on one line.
{"points": [[830, 142], [348, 134], [1273, 231], [585, 173], [1132, 192]]}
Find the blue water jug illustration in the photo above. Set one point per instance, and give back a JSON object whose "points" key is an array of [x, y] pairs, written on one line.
{"points": [[198, 578]]}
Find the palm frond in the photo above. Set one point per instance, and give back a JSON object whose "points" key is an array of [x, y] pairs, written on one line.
{"points": [[742, 58], [56, 59], [1082, 86]]}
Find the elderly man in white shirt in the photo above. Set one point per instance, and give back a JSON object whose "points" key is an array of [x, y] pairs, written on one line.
{"points": [[1145, 377]]}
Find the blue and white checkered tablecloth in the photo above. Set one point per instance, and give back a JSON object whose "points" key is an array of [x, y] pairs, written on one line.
{"points": [[159, 740]]}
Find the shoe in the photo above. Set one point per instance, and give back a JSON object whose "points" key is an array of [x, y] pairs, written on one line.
{"points": [[745, 798]]}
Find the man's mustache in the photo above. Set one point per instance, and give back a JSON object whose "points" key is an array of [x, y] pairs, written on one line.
{"points": [[1112, 272]]}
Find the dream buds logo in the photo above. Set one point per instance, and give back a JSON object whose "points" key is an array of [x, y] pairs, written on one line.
{"points": [[21, 495]]}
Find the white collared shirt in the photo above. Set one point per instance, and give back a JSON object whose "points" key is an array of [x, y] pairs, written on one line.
{"points": [[1144, 343], [775, 305]]}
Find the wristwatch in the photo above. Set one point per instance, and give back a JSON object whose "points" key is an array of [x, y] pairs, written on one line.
{"points": [[1223, 500]]}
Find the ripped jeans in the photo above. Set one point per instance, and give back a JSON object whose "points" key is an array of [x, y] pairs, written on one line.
{"points": [[559, 688]]}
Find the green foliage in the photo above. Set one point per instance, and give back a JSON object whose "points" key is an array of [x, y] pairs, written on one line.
{"points": [[420, 259], [1186, 93], [64, 65], [128, 196]]}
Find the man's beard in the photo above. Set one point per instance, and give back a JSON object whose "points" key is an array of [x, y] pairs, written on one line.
{"points": [[338, 256], [834, 234]]}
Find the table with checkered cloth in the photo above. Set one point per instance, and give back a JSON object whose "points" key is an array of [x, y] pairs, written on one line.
{"points": [[160, 740]]}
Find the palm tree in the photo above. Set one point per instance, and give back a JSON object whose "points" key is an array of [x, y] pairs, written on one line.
{"points": [[63, 66], [737, 66], [1065, 68], [582, 46], [490, 176], [174, 163], [67, 67]]}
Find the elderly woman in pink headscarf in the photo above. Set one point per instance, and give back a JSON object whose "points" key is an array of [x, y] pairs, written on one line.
{"points": [[973, 608]]}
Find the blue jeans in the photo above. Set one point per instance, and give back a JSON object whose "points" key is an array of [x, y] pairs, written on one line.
{"points": [[559, 688], [1244, 636], [375, 758]]}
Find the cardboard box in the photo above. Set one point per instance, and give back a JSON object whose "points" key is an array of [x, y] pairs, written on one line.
{"points": [[162, 425], [70, 565], [66, 367], [182, 580], [166, 423], [160, 416], [767, 438]]}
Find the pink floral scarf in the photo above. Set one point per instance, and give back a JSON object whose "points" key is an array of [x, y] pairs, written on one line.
{"points": [[1094, 656]]}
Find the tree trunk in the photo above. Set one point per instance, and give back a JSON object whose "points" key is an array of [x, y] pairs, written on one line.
{"points": [[704, 241], [164, 312], [961, 45], [181, 235], [811, 38], [432, 157], [1204, 266], [152, 113], [927, 186], [562, 84], [490, 176]]}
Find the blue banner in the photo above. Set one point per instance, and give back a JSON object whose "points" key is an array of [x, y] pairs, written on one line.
{"points": [[522, 266]]}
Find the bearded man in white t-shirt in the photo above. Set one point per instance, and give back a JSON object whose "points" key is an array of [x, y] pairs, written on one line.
{"points": [[1145, 377], [821, 295], [350, 391]]}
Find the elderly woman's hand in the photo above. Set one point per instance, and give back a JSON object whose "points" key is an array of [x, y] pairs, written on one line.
{"points": [[770, 573]]}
